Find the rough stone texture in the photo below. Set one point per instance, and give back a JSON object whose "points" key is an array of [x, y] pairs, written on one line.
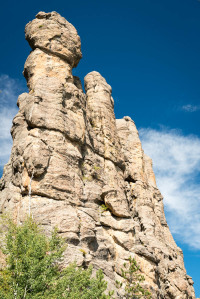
{"points": [[53, 34], [75, 156]]}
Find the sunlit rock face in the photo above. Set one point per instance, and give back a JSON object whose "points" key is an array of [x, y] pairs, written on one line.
{"points": [[76, 158]]}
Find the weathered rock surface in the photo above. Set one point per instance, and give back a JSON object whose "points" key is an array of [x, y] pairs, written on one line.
{"points": [[53, 34], [75, 156]]}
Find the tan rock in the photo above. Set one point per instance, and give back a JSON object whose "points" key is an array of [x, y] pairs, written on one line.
{"points": [[102, 130], [85, 171], [52, 33], [40, 64]]}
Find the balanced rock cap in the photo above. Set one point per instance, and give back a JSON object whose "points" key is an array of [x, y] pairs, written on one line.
{"points": [[52, 33]]}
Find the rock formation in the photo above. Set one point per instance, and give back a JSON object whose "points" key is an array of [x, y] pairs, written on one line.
{"points": [[70, 157]]}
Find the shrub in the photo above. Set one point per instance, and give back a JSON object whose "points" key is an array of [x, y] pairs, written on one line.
{"points": [[33, 268], [132, 281]]}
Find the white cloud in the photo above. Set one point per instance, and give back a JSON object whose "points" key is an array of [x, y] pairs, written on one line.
{"points": [[9, 91], [176, 160], [191, 108]]}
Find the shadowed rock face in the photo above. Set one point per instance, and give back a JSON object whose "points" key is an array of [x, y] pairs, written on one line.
{"points": [[76, 156]]}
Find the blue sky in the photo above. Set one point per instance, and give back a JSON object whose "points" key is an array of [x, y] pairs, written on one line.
{"points": [[148, 51]]}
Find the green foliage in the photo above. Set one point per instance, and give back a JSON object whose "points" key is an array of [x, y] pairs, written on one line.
{"points": [[97, 168], [77, 283], [103, 208], [83, 252], [33, 268], [96, 172], [87, 178], [31, 261], [132, 280]]}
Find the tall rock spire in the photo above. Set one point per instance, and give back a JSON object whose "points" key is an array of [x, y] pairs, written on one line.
{"points": [[70, 157]]}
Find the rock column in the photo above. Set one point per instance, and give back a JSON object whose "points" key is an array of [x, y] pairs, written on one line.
{"points": [[74, 166]]}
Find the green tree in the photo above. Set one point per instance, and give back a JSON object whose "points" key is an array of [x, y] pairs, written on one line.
{"points": [[132, 281], [76, 282], [33, 268]]}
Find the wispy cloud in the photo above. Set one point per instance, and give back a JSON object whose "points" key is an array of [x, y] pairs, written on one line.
{"points": [[176, 160], [190, 108], [9, 91]]}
